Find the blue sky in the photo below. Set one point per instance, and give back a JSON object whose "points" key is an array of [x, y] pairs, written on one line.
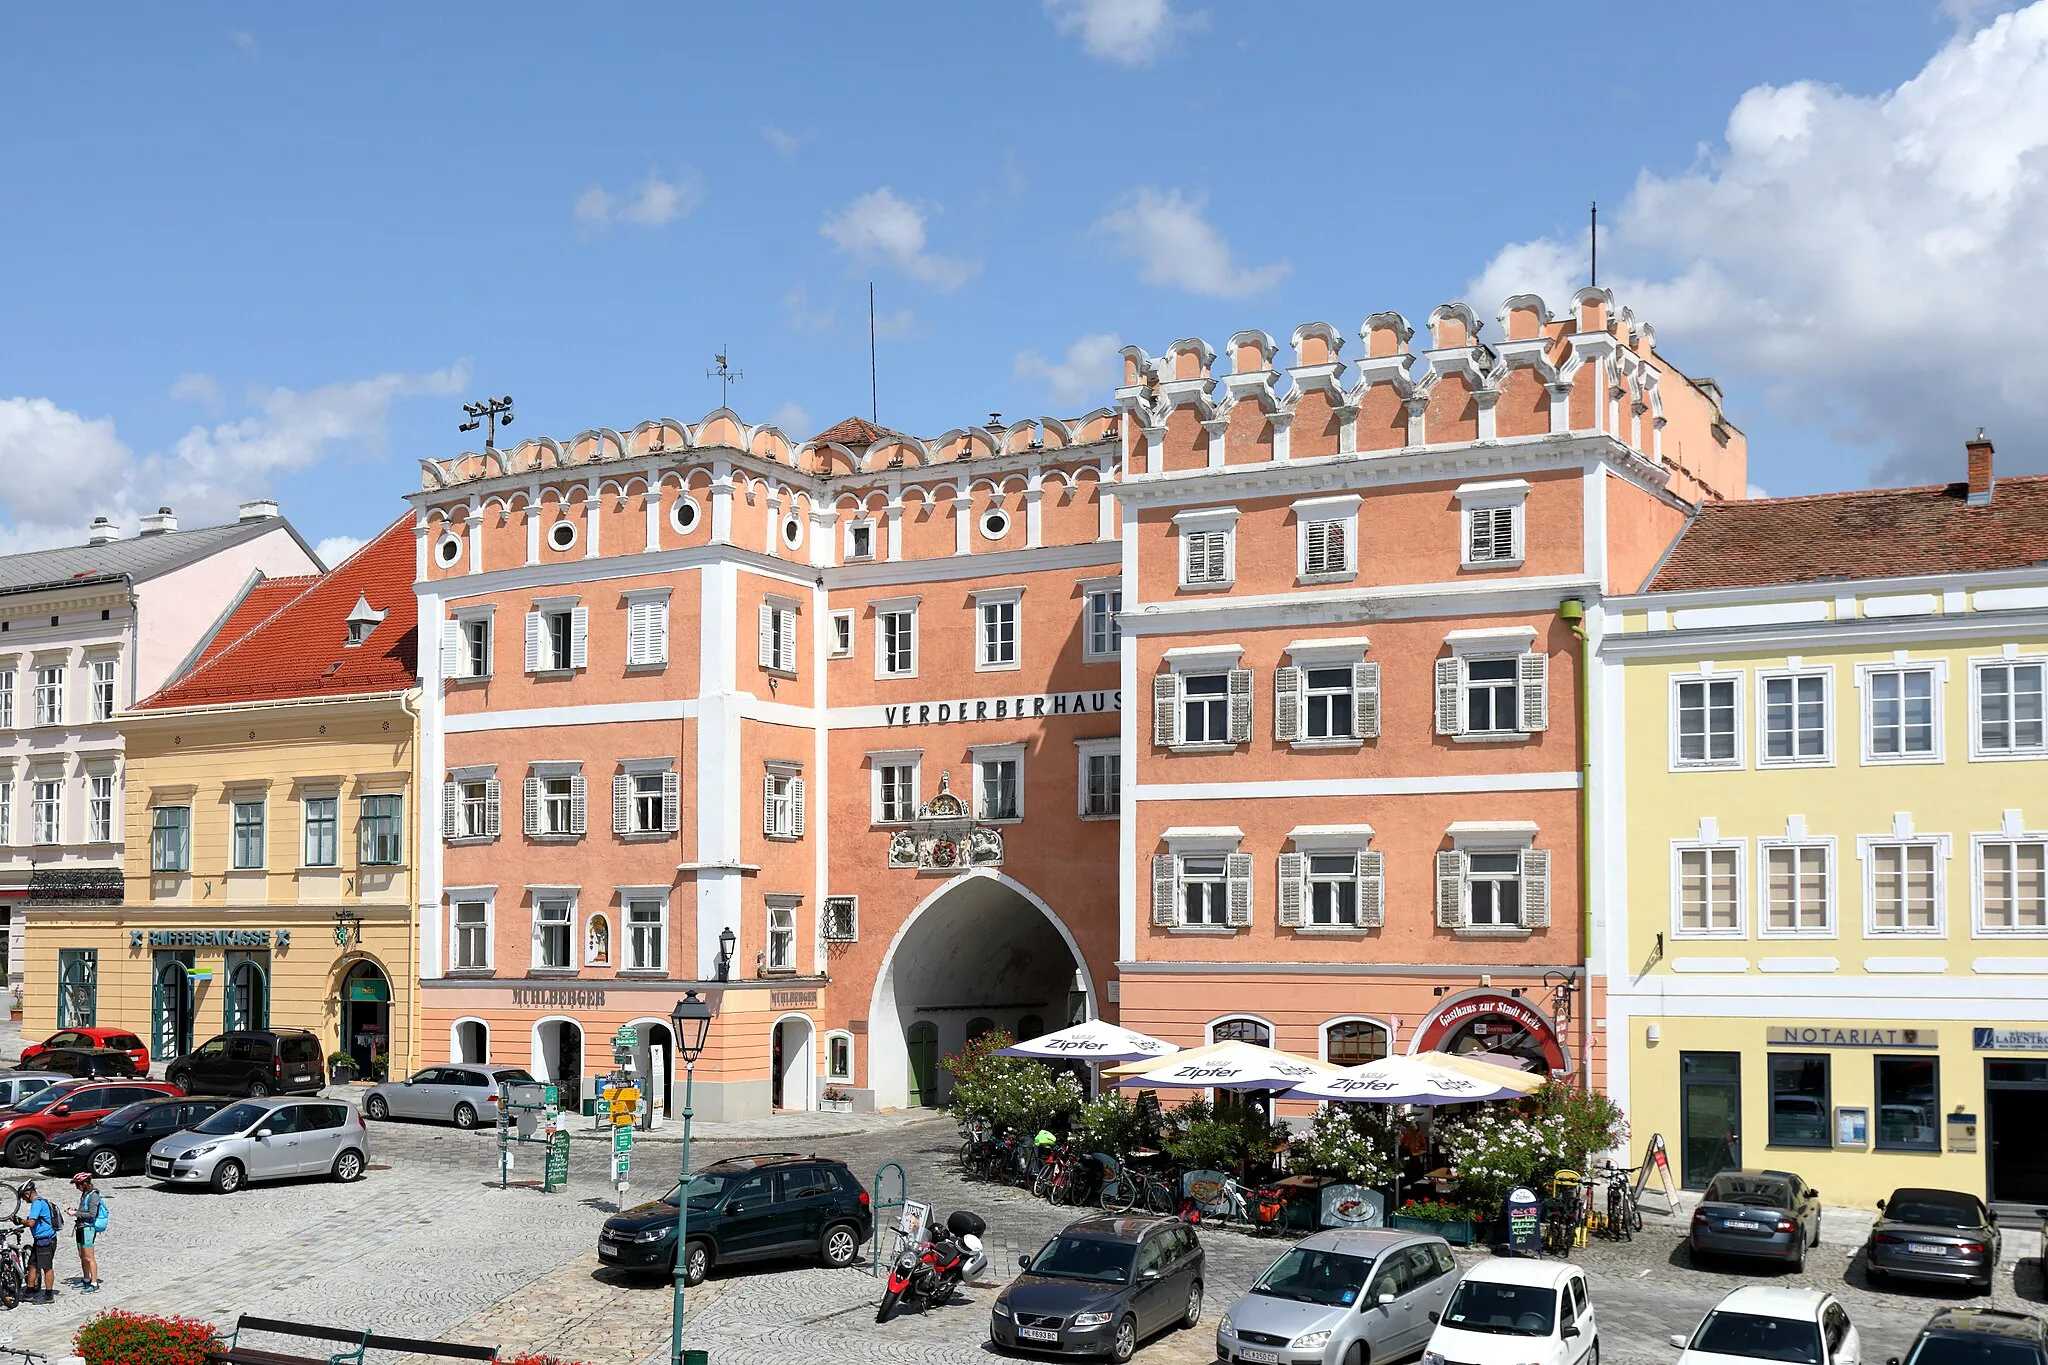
{"points": [[265, 250]]}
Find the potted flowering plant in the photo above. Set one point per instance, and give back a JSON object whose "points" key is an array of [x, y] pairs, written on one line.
{"points": [[1451, 1221], [342, 1068], [835, 1100]]}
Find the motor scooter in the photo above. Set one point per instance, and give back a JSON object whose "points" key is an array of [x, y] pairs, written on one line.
{"points": [[930, 1267]]}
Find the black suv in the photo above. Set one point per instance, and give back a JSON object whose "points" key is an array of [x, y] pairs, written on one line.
{"points": [[84, 1063], [1979, 1336], [749, 1208], [252, 1062]]}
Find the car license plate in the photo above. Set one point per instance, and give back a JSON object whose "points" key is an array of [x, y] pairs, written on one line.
{"points": [[607, 1253], [1742, 1225], [302, 1078], [1260, 1357], [1038, 1334], [1926, 1249]]}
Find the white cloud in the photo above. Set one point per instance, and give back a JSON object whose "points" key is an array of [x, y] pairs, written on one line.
{"points": [[334, 549], [1868, 262], [1132, 32], [245, 43], [796, 306], [1176, 246], [878, 226], [794, 421], [895, 326], [85, 469], [1083, 378], [654, 201], [785, 143], [199, 389]]}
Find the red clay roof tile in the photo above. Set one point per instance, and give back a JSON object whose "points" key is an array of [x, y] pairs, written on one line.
{"points": [[263, 600]]}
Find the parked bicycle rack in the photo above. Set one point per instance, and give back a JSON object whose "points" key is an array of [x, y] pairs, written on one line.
{"points": [[902, 1199]]}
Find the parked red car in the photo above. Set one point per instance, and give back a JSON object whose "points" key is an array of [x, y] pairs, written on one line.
{"points": [[25, 1128], [93, 1037]]}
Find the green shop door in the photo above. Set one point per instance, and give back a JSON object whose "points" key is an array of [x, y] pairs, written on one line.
{"points": [[1710, 1115], [923, 1043], [170, 1005]]}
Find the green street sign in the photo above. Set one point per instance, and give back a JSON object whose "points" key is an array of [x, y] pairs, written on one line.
{"points": [[558, 1162], [628, 1036], [552, 1097], [622, 1140]]}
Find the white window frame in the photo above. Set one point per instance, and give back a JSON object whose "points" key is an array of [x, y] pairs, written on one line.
{"points": [[1937, 697], [1106, 589], [1500, 836], [776, 652], [633, 769], [907, 606], [2011, 659], [2011, 835], [106, 688], [1086, 750], [839, 627], [1764, 848], [629, 896], [1347, 652], [6, 807], [51, 691], [37, 805], [851, 556], [1489, 497], [879, 759], [981, 523], [1493, 644], [560, 523], [488, 897], [1197, 521], [1867, 846], [1204, 660], [772, 904], [1681, 847], [540, 652], [540, 774], [455, 642], [832, 1076], [7, 680], [1707, 676], [1311, 841], [1761, 700], [984, 754], [1225, 842], [573, 895], [307, 795], [448, 549], [98, 831], [648, 645], [782, 811], [984, 599], [1341, 510]]}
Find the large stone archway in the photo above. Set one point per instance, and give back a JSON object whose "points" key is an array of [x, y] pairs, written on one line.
{"points": [[981, 946]]}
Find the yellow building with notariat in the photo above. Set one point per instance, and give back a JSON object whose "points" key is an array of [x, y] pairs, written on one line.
{"points": [[270, 829], [1824, 852]]}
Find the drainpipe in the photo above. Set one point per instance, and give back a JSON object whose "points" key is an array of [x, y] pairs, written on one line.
{"points": [[414, 906], [1572, 611]]}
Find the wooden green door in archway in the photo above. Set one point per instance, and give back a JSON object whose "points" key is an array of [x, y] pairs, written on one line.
{"points": [[922, 1043]]}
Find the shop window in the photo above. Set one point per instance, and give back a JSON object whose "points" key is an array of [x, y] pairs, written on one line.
{"points": [[1353, 1042], [1799, 1100], [78, 987], [1253, 1031], [1908, 1104]]}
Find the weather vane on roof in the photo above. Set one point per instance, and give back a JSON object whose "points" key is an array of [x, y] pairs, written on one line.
{"points": [[726, 376], [496, 411]]}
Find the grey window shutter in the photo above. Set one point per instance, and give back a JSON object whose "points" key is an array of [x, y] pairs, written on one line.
{"points": [[579, 638], [785, 661], [1218, 556], [1372, 890], [451, 810], [1479, 535], [492, 820], [671, 801], [767, 636], [579, 805], [451, 649], [636, 632], [768, 806], [1166, 709], [1535, 888], [1165, 889], [1450, 707], [1450, 889], [1237, 873], [1335, 552], [533, 642], [657, 632], [622, 804], [796, 807], [1293, 876], [1504, 532], [1532, 682], [1286, 704], [532, 794], [1240, 706], [1365, 700]]}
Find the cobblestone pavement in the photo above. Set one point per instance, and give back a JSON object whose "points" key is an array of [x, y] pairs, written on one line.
{"points": [[426, 1244]]}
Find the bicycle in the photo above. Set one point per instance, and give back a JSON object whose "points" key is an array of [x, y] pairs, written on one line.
{"points": [[1125, 1188], [1624, 1214], [13, 1265], [1261, 1208], [1061, 1178], [1564, 1213]]}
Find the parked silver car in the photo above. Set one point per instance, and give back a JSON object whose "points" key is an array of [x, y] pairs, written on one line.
{"points": [[265, 1140], [462, 1095], [1342, 1296], [16, 1086]]}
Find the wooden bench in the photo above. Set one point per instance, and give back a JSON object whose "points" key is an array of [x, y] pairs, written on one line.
{"points": [[229, 1350]]}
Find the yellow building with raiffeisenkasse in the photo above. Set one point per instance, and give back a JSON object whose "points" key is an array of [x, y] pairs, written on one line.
{"points": [[1823, 797]]}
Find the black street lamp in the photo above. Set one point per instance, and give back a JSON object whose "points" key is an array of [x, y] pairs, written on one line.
{"points": [[727, 941], [691, 1022]]}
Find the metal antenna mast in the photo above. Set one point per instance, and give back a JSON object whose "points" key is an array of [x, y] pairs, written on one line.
{"points": [[496, 411], [1595, 236], [726, 376]]}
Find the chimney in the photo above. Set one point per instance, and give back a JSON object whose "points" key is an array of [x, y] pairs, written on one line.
{"points": [[1980, 468], [257, 509], [159, 521], [101, 531]]}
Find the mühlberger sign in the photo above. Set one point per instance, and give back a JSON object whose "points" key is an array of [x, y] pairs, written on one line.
{"points": [[557, 998], [1842, 1035], [1004, 708]]}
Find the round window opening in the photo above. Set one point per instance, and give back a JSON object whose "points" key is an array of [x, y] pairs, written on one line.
{"points": [[792, 532], [449, 550], [683, 513], [995, 525], [562, 534]]}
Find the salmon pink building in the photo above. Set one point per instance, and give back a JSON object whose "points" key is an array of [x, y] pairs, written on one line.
{"points": [[1245, 707]]}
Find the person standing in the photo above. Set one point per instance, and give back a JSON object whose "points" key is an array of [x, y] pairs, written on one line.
{"points": [[86, 1219], [42, 1221]]}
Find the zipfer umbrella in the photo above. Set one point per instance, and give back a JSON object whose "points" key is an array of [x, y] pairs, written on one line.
{"points": [[1405, 1080], [1091, 1041], [1228, 1066]]}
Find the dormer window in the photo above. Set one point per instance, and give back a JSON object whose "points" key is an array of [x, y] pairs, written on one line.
{"points": [[362, 619]]}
